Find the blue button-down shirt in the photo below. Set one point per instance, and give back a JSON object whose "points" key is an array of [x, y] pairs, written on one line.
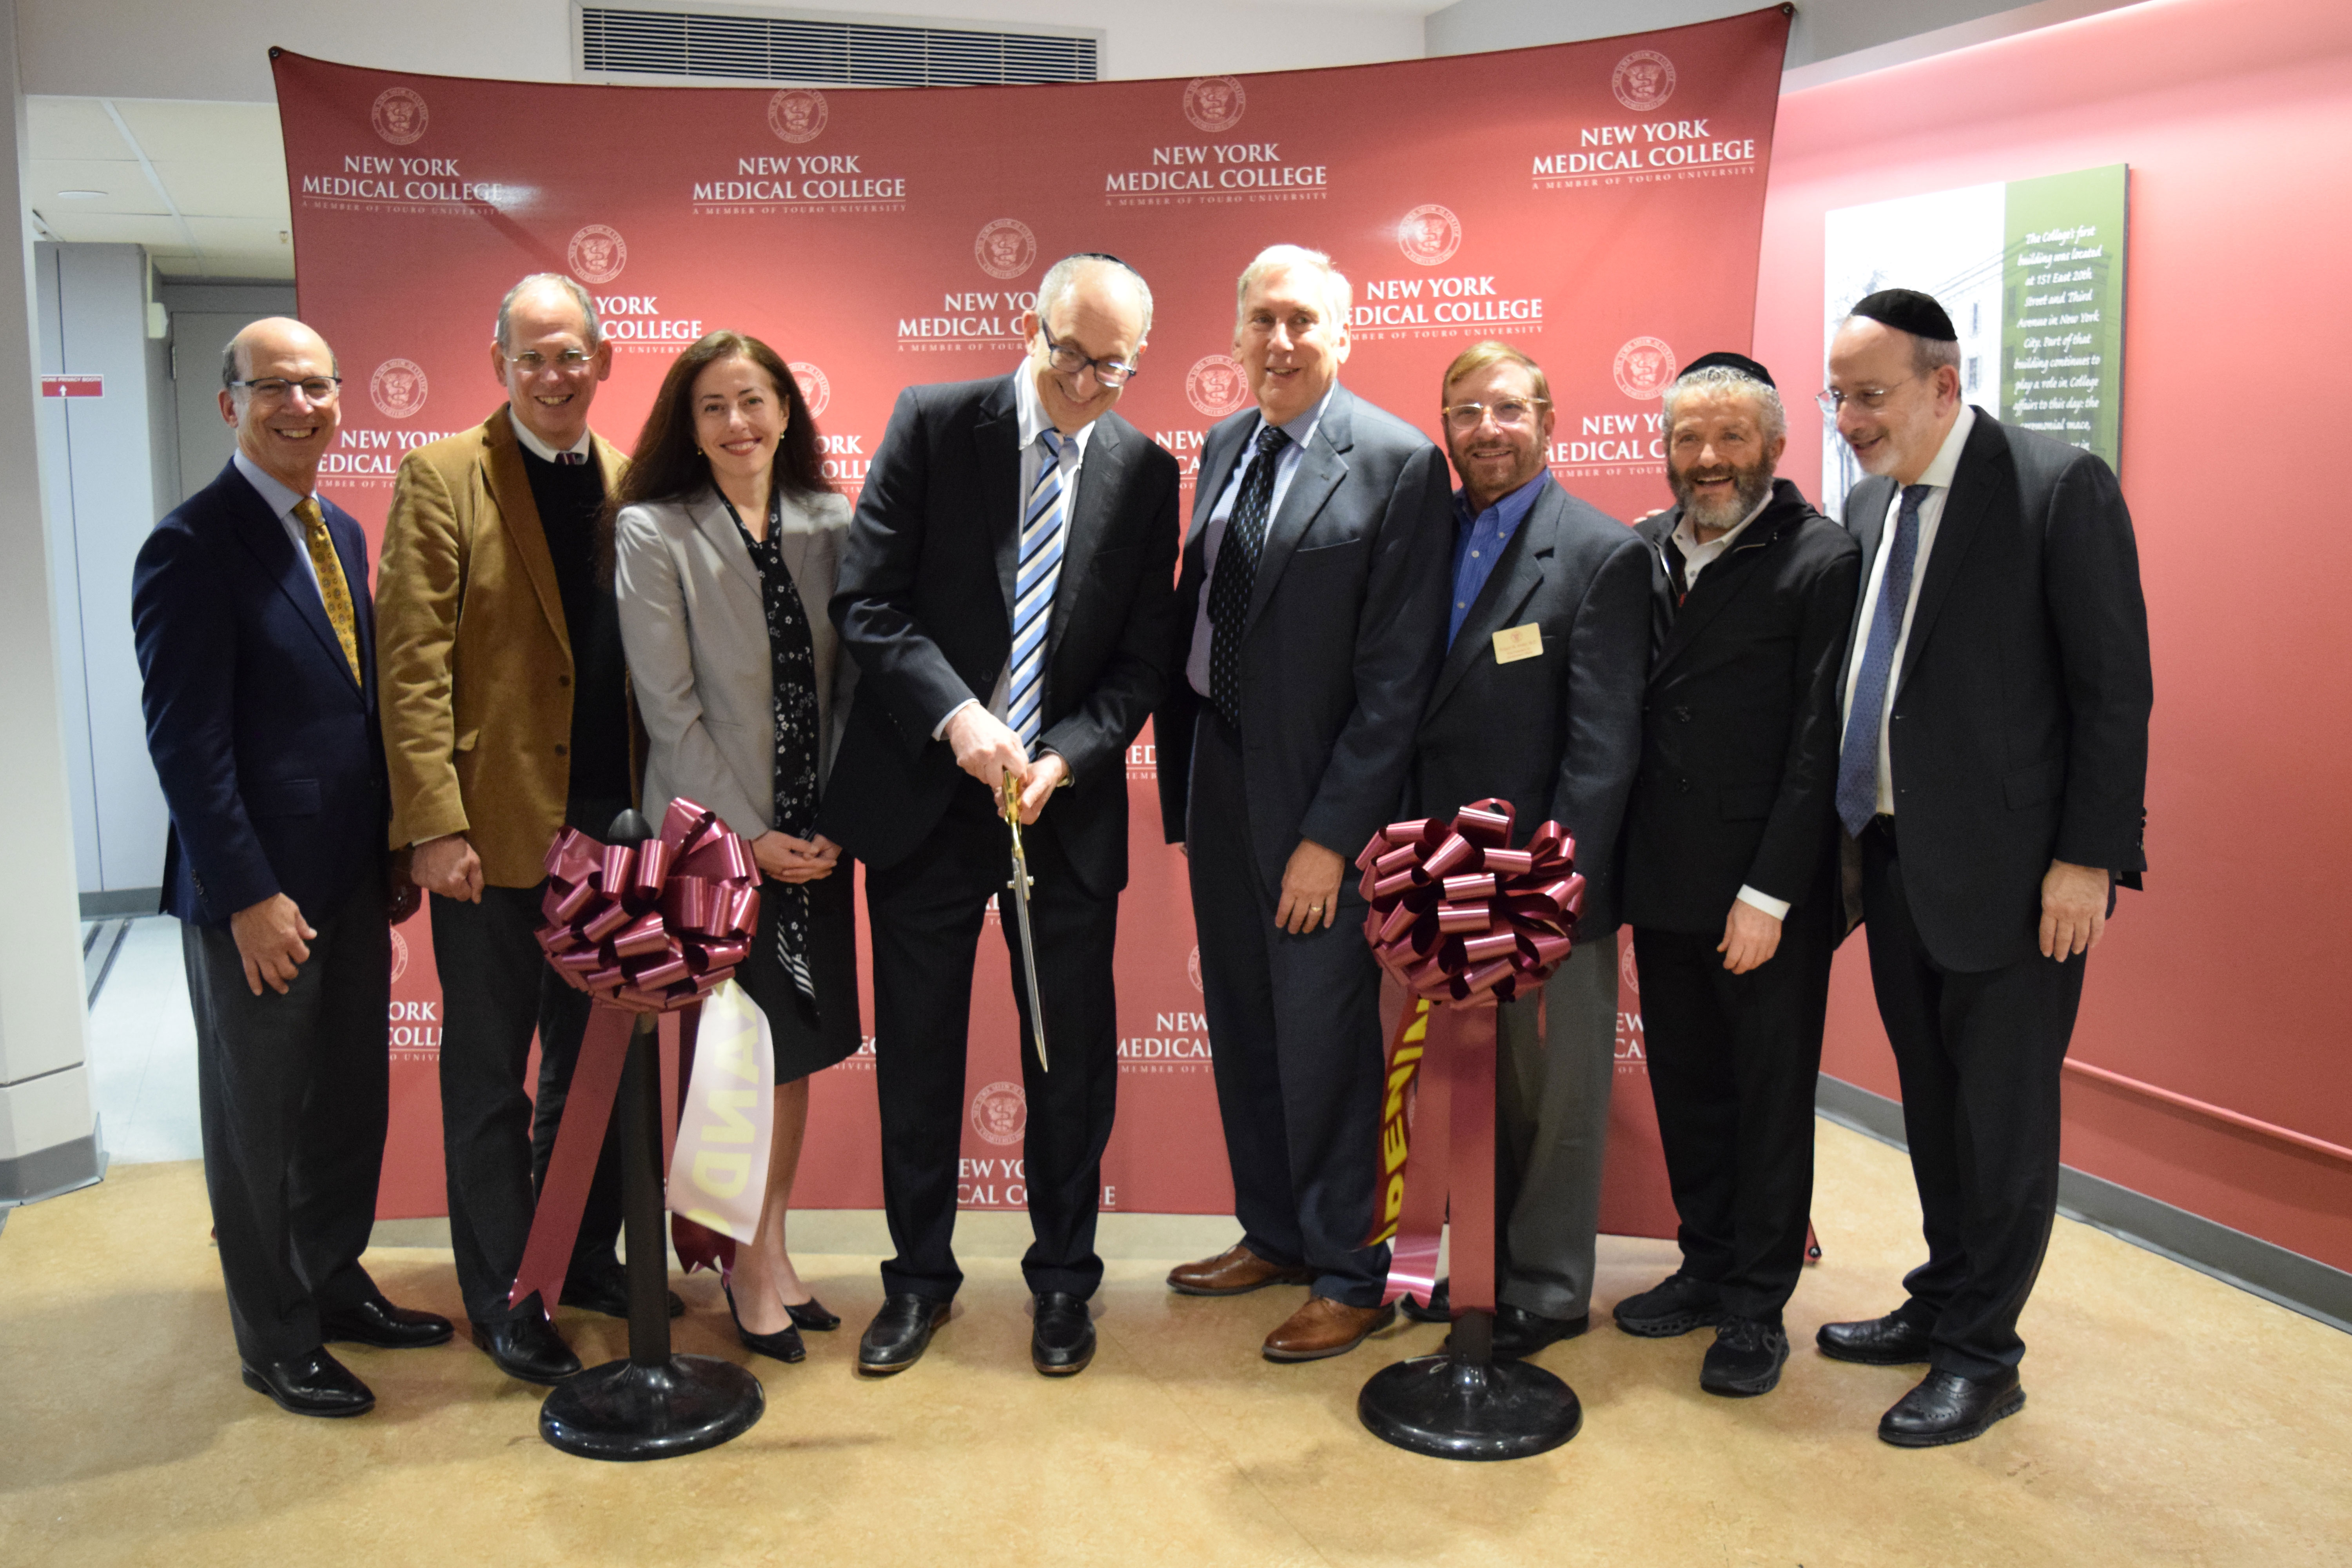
{"points": [[1479, 543]]}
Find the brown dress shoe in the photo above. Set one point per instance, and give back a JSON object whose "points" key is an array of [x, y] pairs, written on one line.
{"points": [[1232, 1272], [1324, 1327]]}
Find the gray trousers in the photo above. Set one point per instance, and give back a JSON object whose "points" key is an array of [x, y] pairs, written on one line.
{"points": [[1552, 1124]]}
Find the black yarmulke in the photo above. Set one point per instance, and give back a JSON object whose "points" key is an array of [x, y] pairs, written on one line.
{"points": [[1907, 310], [1729, 361]]}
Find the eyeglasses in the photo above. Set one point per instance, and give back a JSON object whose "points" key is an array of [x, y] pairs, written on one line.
{"points": [[530, 361], [274, 388], [1870, 397], [1512, 411], [1069, 361]]}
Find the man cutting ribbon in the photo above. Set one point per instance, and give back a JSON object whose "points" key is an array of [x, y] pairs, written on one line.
{"points": [[1005, 594]]}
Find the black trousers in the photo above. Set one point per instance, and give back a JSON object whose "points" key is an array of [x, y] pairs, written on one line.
{"points": [[1733, 1062], [1295, 1025], [497, 987], [926, 914], [292, 1093], [1979, 1055]]}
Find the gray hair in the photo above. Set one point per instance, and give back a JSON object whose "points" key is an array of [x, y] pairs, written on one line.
{"points": [[1070, 271], [595, 329], [1716, 379], [1339, 295]]}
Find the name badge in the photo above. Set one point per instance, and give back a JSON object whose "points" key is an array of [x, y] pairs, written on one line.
{"points": [[1518, 642]]}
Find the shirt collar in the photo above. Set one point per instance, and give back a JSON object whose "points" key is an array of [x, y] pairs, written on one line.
{"points": [[1032, 411], [1510, 510], [1947, 456], [282, 501], [1301, 429], [1686, 537], [540, 449]]}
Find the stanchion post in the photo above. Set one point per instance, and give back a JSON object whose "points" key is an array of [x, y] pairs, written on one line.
{"points": [[641, 1196]]}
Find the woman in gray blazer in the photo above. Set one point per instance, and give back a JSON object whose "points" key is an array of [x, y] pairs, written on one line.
{"points": [[726, 543]]}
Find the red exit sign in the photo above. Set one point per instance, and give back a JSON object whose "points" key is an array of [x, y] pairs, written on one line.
{"points": [[73, 386]]}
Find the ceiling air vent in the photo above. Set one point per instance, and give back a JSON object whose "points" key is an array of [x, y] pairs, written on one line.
{"points": [[746, 47]]}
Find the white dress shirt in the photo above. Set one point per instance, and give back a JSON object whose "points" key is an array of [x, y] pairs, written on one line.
{"points": [[1300, 430], [1030, 409], [283, 501], [1939, 479], [585, 446]]}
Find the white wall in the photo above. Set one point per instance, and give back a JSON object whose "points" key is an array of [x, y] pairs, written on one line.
{"points": [[45, 1119]]}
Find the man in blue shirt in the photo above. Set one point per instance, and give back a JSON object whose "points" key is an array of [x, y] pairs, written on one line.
{"points": [[1538, 702]]}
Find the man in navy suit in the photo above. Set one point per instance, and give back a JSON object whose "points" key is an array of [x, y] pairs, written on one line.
{"points": [[256, 643]]}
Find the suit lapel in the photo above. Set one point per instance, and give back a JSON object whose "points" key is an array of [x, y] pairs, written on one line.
{"points": [[996, 446], [710, 520], [1985, 467], [510, 486], [1516, 577], [1217, 457], [1866, 518], [1320, 470], [350, 548], [1100, 478], [1703, 603], [275, 555]]}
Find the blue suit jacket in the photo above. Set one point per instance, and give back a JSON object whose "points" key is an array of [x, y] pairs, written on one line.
{"points": [[267, 749]]}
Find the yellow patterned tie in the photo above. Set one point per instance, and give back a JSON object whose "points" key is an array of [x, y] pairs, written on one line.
{"points": [[333, 591]]}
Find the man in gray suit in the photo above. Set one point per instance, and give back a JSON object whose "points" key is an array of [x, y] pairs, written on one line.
{"points": [[1538, 702], [1311, 600]]}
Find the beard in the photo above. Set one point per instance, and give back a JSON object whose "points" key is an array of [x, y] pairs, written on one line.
{"points": [[1750, 486]]}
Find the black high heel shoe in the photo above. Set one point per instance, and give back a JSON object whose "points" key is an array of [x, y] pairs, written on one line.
{"points": [[811, 1315], [784, 1344]]}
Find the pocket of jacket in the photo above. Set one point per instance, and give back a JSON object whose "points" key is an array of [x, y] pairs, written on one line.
{"points": [[1745, 803], [282, 797], [2031, 786]]}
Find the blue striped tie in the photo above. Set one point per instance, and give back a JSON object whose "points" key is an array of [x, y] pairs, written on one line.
{"points": [[1858, 780], [1033, 590]]}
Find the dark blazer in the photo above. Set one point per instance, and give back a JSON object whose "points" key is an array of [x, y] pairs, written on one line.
{"points": [[267, 749], [1346, 619], [1739, 747], [1557, 735], [925, 606], [2020, 724]]}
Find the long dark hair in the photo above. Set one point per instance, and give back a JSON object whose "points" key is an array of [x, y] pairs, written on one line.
{"points": [[668, 464]]}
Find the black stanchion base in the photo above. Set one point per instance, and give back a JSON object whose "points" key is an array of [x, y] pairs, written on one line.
{"points": [[1452, 1409], [624, 1411]]}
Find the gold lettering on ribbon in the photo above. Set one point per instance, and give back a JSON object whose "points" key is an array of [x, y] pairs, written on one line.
{"points": [[728, 1123], [721, 1176], [1404, 1063]]}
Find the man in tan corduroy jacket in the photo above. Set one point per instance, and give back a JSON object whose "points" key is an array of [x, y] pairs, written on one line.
{"points": [[507, 715]]}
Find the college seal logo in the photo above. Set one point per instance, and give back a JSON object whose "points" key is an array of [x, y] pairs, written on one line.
{"points": [[1629, 976], [1000, 1114], [399, 115], [1005, 249], [598, 254], [1214, 102], [1216, 386], [1643, 367], [815, 390], [1643, 81], [797, 114], [398, 388], [1193, 967], [399, 954], [1430, 234]]}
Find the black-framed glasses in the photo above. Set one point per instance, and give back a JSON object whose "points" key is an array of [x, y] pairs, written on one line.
{"points": [[274, 388], [530, 361], [1871, 397], [1070, 362], [1510, 413]]}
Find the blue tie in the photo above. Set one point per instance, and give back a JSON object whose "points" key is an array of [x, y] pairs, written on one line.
{"points": [[1033, 590], [1857, 782]]}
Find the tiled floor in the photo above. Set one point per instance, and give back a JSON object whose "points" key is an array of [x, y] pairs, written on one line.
{"points": [[143, 1051]]}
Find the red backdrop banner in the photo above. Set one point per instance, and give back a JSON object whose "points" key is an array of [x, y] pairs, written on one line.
{"points": [[1596, 204]]}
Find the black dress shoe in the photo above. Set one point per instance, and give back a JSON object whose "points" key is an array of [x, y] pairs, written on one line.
{"points": [[1745, 1359], [784, 1344], [900, 1333], [1061, 1341], [313, 1384], [1438, 1309], [1948, 1408], [1519, 1333], [528, 1348], [811, 1315], [606, 1291], [376, 1321], [1897, 1339], [1675, 1305]]}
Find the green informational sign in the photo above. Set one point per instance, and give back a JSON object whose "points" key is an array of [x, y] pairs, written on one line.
{"points": [[2062, 358]]}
